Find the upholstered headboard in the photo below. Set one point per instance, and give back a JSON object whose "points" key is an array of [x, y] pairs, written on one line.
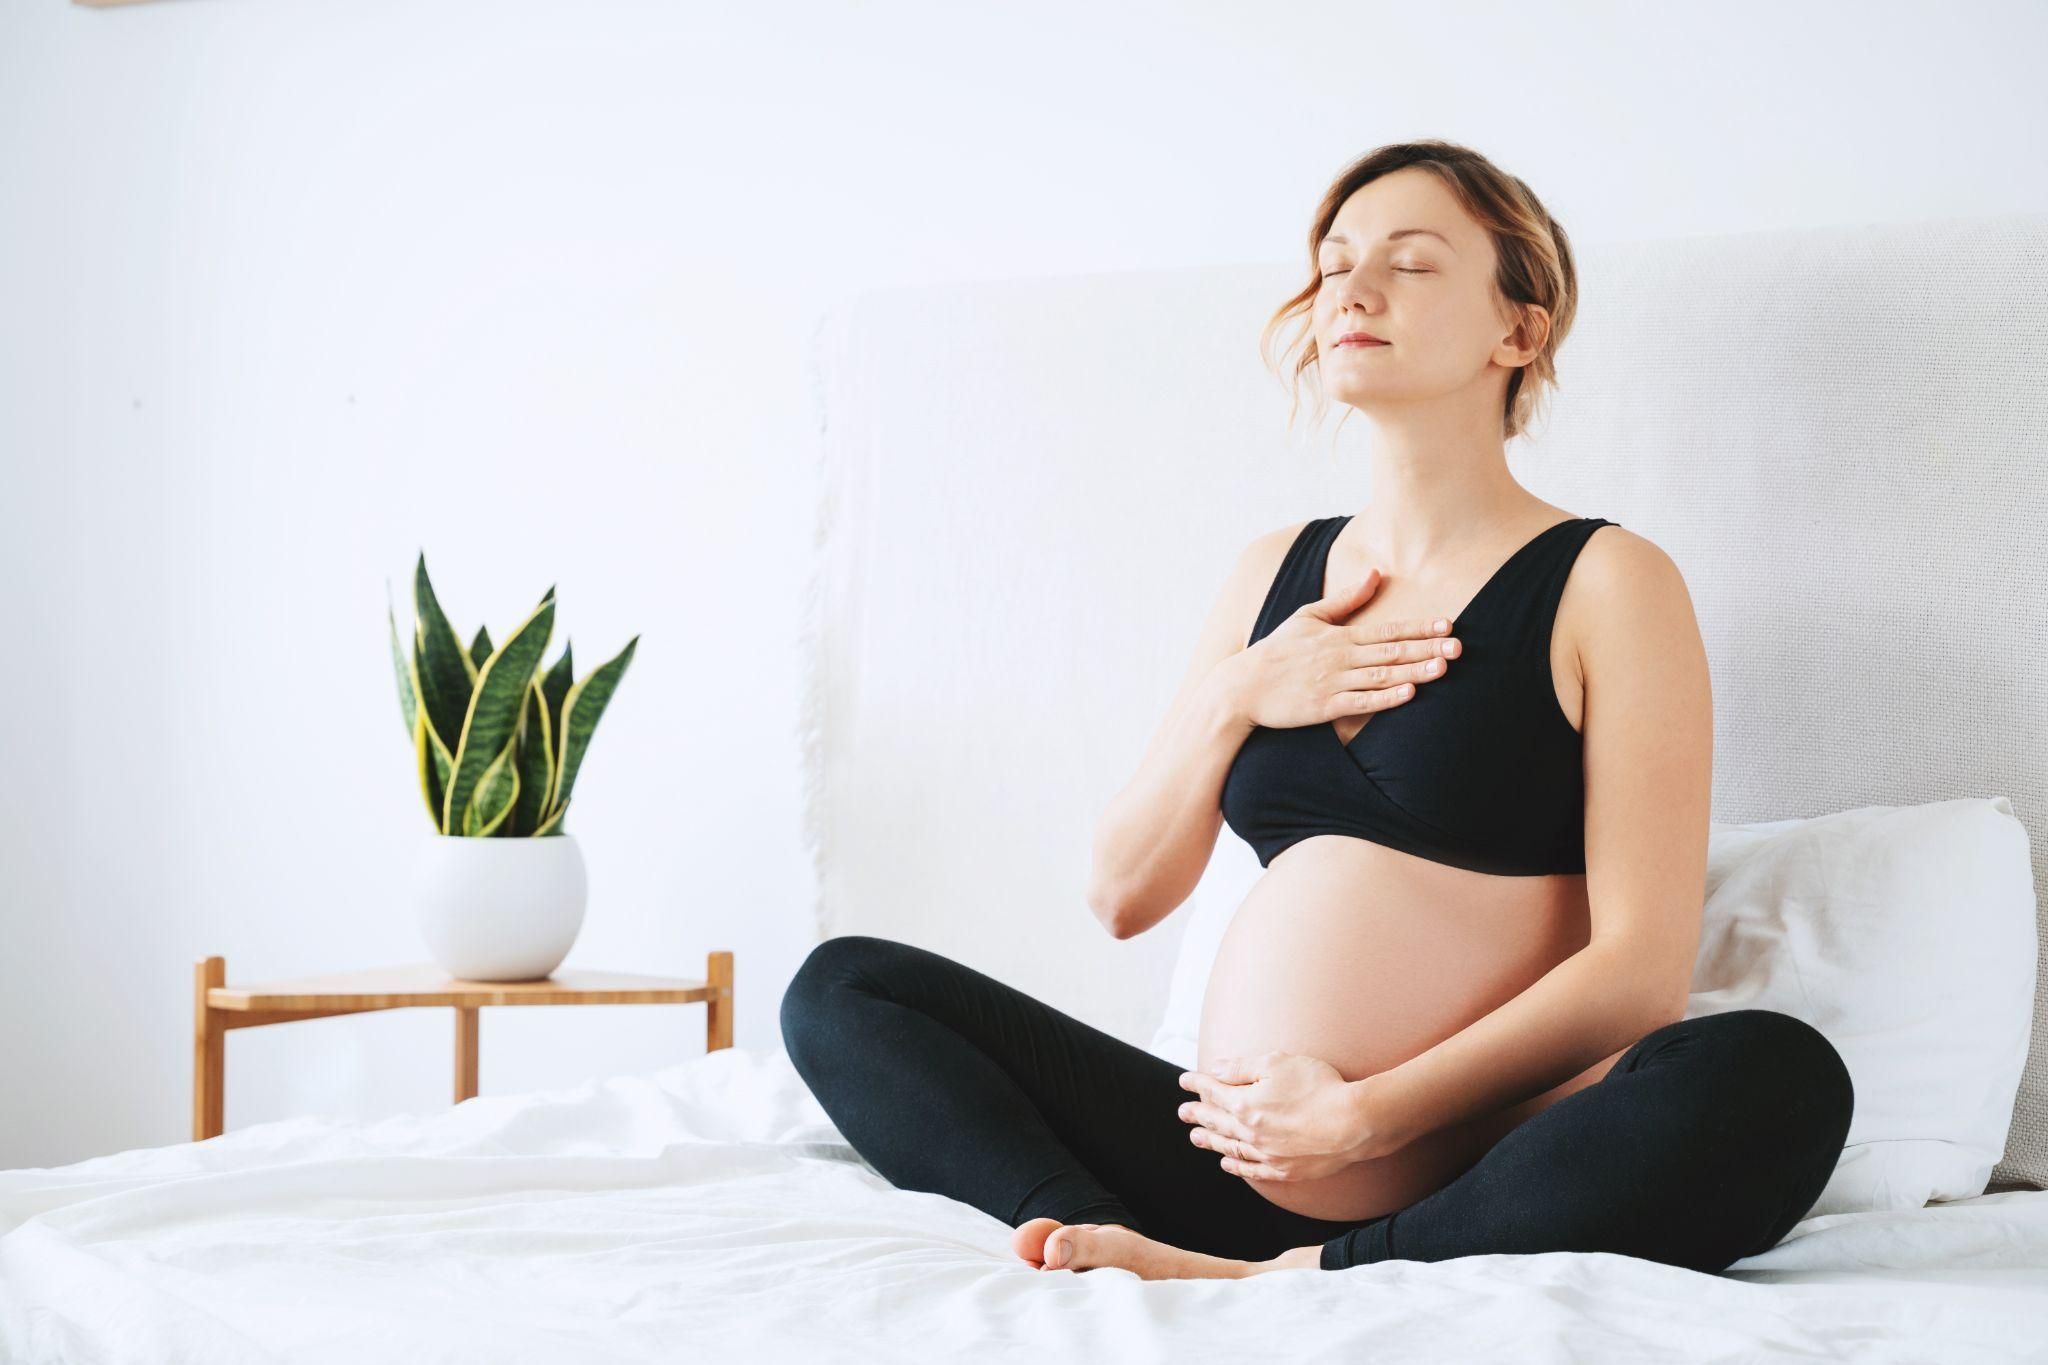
{"points": [[1030, 492]]}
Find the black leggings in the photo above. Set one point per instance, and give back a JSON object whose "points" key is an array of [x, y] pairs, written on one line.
{"points": [[1705, 1143]]}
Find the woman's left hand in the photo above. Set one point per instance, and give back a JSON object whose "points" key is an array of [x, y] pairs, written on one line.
{"points": [[1279, 1116]]}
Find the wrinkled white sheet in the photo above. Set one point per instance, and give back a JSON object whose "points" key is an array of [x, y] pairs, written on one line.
{"points": [[711, 1207]]}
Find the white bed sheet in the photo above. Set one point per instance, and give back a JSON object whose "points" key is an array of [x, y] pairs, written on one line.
{"points": [[712, 1207]]}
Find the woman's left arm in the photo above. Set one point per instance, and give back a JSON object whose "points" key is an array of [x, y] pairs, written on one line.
{"points": [[1648, 734], [1648, 738]]}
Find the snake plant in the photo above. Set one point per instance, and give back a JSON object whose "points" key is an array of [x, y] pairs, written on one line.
{"points": [[496, 743]]}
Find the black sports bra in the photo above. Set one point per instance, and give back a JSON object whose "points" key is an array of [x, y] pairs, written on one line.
{"points": [[1479, 769]]}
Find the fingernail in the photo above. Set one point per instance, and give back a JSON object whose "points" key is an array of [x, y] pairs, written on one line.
{"points": [[1057, 1256]]}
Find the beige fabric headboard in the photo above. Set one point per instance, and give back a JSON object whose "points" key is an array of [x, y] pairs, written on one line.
{"points": [[1029, 493]]}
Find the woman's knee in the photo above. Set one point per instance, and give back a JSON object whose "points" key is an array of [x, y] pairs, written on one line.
{"points": [[1787, 1046], [829, 975], [1788, 1069]]}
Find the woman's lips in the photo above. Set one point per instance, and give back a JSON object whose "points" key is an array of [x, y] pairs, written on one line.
{"points": [[1362, 344]]}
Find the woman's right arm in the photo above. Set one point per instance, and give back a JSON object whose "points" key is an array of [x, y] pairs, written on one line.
{"points": [[1155, 838]]}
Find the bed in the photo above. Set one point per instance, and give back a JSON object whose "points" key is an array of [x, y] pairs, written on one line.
{"points": [[710, 1210], [1837, 433]]}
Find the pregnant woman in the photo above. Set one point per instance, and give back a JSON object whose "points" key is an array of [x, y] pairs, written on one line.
{"points": [[1449, 1019]]}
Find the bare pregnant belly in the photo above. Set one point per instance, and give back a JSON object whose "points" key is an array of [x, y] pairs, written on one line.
{"points": [[1365, 957]]}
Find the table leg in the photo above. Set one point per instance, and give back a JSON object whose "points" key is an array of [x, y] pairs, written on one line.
{"points": [[718, 1009], [209, 1050], [465, 1052]]}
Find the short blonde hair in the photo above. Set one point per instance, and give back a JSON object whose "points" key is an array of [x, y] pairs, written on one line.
{"points": [[1535, 264]]}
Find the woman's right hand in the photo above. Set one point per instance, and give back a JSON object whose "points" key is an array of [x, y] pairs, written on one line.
{"points": [[1312, 668]]}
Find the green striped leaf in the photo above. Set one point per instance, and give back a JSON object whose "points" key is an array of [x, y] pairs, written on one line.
{"points": [[496, 792], [434, 761], [536, 759], [553, 824], [480, 647], [446, 676], [555, 687], [580, 711], [408, 695], [493, 716]]}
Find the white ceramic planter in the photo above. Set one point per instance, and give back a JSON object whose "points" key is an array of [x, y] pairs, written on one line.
{"points": [[499, 909]]}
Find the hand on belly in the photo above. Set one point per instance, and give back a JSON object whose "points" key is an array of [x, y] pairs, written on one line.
{"points": [[1364, 982], [1278, 1116]]}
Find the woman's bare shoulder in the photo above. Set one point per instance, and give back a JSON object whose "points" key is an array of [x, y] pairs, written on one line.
{"points": [[1623, 584]]}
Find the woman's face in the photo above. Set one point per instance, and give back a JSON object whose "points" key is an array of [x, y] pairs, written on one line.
{"points": [[1429, 295]]}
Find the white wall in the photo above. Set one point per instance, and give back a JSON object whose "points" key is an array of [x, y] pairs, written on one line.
{"points": [[289, 290]]}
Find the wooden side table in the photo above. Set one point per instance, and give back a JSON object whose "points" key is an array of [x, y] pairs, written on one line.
{"points": [[218, 1007]]}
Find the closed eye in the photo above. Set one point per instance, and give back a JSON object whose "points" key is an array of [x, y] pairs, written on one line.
{"points": [[1399, 270]]}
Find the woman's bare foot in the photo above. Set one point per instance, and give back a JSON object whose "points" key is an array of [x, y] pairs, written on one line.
{"points": [[1048, 1244]]}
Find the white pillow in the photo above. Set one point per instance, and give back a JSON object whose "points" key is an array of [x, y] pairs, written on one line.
{"points": [[1906, 934]]}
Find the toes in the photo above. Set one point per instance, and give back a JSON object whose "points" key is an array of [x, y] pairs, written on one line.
{"points": [[1072, 1246], [1028, 1241], [1048, 1244]]}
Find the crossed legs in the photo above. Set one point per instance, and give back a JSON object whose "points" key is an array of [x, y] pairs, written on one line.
{"points": [[1705, 1143]]}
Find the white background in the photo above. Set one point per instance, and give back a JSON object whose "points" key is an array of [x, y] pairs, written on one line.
{"points": [[292, 289]]}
